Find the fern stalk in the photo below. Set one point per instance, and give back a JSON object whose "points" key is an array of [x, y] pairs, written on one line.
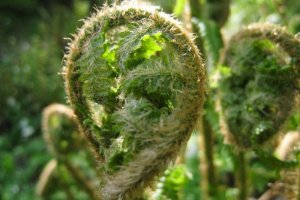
{"points": [[242, 175]]}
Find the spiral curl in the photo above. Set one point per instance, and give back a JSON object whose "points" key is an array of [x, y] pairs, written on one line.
{"points": [[136, 82], [59, 128], [259, 83], [65, 142]]}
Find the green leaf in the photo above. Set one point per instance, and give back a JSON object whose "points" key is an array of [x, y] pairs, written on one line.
{"points": [[110, 53], [150, 45]]}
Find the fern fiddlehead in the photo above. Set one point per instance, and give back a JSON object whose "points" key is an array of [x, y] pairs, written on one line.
{"points": [[59, 127], [136, 81], [260, 83], [61, 133]]}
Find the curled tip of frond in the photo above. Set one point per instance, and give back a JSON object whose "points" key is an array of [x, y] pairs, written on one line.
{"points": [[136, 81], [275, 33], [254, 118], [48, 113], [56, 108]]}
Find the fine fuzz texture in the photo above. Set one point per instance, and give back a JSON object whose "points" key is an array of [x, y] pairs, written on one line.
{"points": [[259, 83], [136, 82]]}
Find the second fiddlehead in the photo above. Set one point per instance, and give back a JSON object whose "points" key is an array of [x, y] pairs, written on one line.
{"points": [[260, 83], [68, 146]]}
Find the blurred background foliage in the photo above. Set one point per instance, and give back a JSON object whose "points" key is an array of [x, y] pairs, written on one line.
{"points": [[31, 50]]}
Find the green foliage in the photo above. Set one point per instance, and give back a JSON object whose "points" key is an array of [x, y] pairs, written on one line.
{"points": [[294, 122], [30, 58], [19, 166], [171, 184], [275, 163], [179, 7], [148, 46], [213, 42], [31, 43], [191, 187]]}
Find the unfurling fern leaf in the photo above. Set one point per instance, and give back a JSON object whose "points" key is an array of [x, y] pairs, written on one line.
{"points": [[259, 83], [136, 82], [69, 147]]}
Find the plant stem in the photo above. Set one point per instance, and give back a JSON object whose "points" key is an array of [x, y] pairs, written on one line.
{"points": [[298, 184], [207, 166], [209, 142], [242, 175], [218, 11], [79, 177], [63, 182], [195, 7], [196, 12]]}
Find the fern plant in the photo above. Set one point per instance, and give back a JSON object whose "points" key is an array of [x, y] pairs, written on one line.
{"points": [[259, 83], [136, 82], [259, 87], [69, 147]]}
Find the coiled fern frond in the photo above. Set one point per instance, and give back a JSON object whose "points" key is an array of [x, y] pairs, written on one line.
{"points": [[60, 130], [69, 147], [259, 83], [136, 82]]}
